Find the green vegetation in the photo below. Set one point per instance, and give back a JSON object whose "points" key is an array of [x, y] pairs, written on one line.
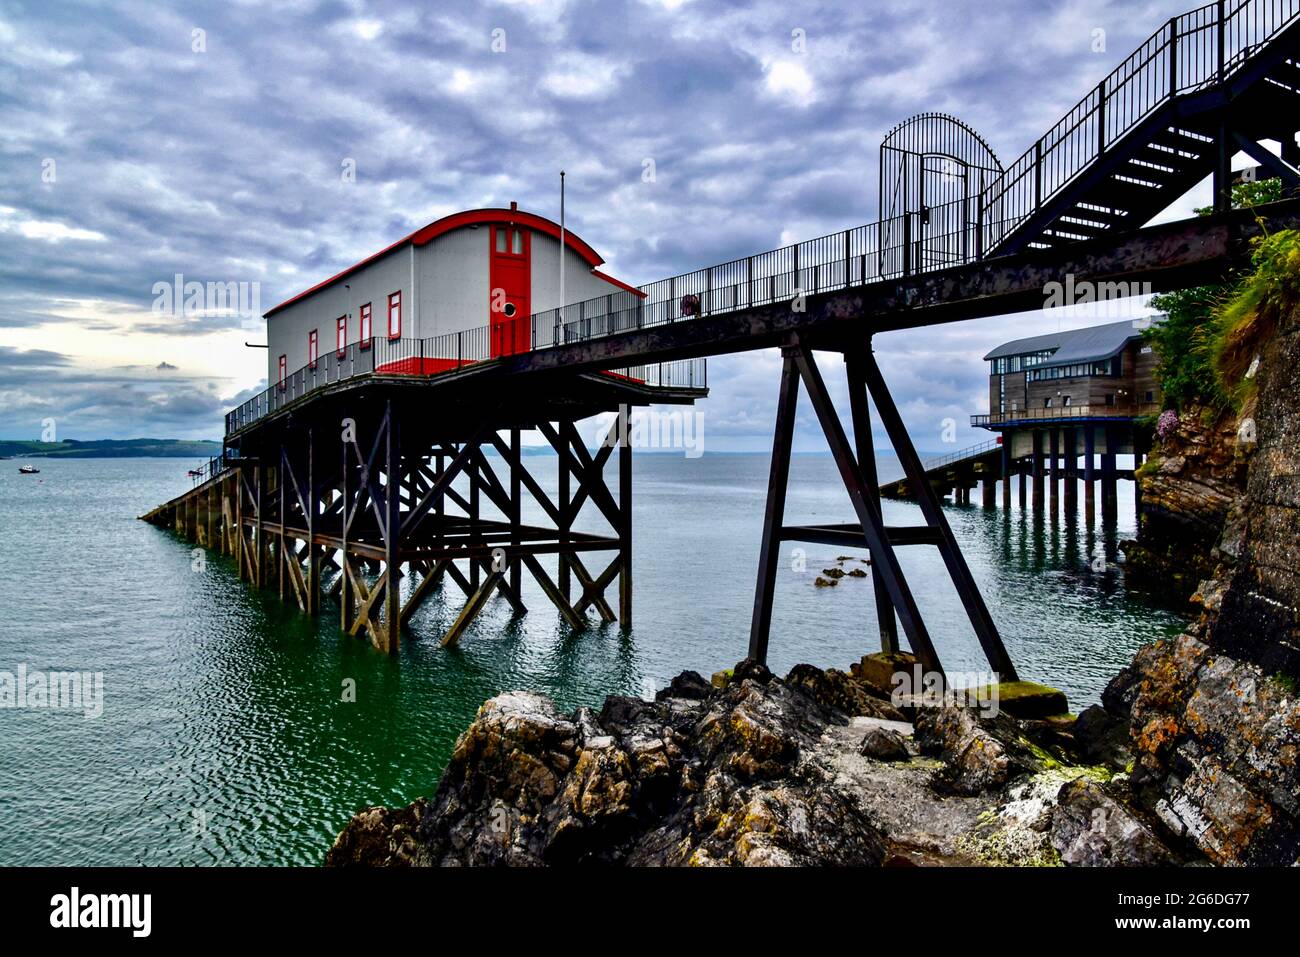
{"points": [[1251, 314], [1197, 346], [111, 449]]}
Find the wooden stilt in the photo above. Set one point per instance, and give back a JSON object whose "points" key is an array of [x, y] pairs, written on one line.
{"points": [[1037, 473], [392, 624], [1089, 478]]}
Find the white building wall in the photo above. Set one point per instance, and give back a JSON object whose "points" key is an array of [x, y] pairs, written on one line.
{"points": [[454, 281], [286, 331], [580, 283], [448, 291]]}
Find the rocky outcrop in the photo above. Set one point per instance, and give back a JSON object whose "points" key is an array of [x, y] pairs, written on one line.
{"points": [[763, 771], [1211, 718], [1191, 483]]}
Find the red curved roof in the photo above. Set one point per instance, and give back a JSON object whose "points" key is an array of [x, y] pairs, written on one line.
{"points": [[470, 217]]}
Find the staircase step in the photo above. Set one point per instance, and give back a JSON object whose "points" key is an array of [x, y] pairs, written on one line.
{"points": [[1125, 195], [1070, 223], [1181, 140], [1287, 73], [1171, 159], [1158, 176]]}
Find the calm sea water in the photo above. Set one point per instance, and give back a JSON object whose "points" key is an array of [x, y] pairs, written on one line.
{"points": [[224, 737]]}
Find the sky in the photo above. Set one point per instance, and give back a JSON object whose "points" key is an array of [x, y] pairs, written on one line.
{"points": [[278, 142]]}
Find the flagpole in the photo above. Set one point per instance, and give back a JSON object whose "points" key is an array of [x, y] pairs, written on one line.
{"points": [[563, 301]]}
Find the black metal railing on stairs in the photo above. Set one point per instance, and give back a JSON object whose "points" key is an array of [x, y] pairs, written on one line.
{"points": [[1190, 53]]}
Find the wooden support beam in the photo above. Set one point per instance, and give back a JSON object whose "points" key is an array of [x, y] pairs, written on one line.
{"points": [[1007, 467], [393, 531], [312, 504], [1089, 466], [593, 589], [1070, 448], [1054, 472], [1037, 466], [432, 578], [575, 620], [472, 607], [882, 553]]}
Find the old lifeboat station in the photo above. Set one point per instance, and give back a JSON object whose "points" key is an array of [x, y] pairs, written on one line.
{"points": [[376, 468]]}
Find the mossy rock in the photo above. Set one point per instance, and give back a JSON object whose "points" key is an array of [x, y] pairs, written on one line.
{"points": [[1025, 699]]}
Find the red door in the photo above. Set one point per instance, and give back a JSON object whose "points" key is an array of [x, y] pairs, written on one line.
{"points": [[510, 289]]}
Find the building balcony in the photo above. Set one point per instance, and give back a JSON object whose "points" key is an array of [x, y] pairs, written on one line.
{"points": [[427, 358], [1001, 420]]}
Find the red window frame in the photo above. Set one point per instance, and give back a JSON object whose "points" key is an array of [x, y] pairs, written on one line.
{"points": [[341, 336], [395, 311], [284, 372], [366, 331], [313, 348]]}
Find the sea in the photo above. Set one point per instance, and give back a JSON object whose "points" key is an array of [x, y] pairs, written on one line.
{"points": [[230, 729]]}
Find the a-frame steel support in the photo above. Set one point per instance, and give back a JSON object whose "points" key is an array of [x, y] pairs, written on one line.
{"points": [[893, 595]]}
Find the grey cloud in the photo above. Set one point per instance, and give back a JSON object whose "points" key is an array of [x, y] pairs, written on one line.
{"points": [[225, 165]]}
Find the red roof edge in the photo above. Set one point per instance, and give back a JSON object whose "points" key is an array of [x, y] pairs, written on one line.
{"points": [[470, 217], [618, 282]]}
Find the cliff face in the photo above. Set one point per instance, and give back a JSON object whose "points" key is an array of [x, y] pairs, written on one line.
{"points": [[1212, 716], [1192, 482], [1259, 618]]}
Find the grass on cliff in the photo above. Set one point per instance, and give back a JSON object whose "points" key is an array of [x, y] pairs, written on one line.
{"points": [[1250, 316], [1212, 334]]}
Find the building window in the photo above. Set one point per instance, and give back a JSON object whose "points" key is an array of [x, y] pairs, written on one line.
{"points": [[1110, 400], [395, 315], [500, 239], [1047, 403], [366, 331], [516, 242], [284, 371], [1065, 401], [1151, 396], [341, 338], [313, 348]]}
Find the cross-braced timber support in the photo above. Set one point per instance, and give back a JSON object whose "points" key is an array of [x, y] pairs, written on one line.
{"points": [[893, 595], [378, 510]]}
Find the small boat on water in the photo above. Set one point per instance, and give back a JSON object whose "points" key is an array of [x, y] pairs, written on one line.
{"points": [[28, 470]]}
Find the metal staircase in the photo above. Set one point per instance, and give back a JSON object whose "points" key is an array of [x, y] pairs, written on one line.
{"points": [[1212, 82]]}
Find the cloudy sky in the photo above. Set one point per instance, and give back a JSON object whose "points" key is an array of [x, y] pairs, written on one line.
{"points": [[139, 140]]}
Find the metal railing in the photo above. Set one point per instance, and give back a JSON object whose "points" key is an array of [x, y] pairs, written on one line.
{"points": [[1130, 411], [1192, 52], [208, 470], [954, 457], [427, 357]]}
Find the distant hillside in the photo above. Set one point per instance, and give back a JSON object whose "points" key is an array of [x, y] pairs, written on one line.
{"points": [[111, 449]]}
